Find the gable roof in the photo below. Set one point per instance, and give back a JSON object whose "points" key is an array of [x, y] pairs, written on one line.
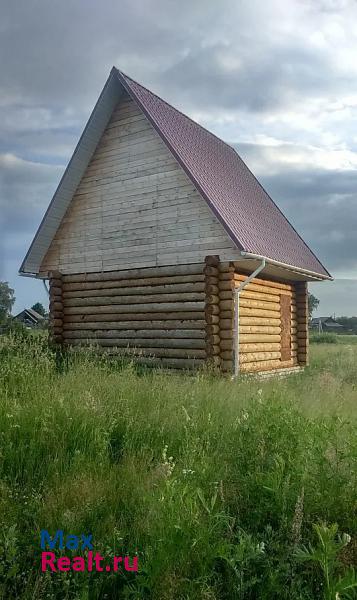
{"points": [[33, 314], [251, 218], [325, 320]]}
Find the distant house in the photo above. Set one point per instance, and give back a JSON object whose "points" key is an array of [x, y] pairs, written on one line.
{"points": [[30, 318], [324, 324]]}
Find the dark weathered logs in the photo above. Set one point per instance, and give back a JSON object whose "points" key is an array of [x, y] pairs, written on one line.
{"points": [[211, 305], [162, 290], [136, 283], [136, 273], [169, 308], [56, 308]]}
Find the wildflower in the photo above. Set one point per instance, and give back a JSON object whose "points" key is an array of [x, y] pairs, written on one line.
{"points": [[187, 471], [297, 519]]}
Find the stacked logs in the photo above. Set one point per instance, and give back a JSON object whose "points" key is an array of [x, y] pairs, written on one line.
{"points": [[156, 314], [180, 316], [259, 322], [226, 315], [302, 319], [211, 272], [56, 308]]}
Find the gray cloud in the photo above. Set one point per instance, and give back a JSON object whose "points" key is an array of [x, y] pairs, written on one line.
{"points": [[247, 71]]}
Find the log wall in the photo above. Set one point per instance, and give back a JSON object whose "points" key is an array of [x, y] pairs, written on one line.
{"points": [[183, 316], [261, 344], [157, 314], [56, 308]]}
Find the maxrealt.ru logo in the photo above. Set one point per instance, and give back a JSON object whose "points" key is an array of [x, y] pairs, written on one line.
{"points": [[83, 543]]}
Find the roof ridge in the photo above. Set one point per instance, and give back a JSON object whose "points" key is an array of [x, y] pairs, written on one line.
{"points": [[179, 111]]}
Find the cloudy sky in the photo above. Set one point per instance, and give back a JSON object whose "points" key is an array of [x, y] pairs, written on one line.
{"points": [[276, 79]]}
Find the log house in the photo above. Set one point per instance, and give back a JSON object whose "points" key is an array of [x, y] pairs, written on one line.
{"points": [[161, 243]]}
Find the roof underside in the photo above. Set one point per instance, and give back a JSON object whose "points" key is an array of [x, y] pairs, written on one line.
{"points": [[249, 215]]}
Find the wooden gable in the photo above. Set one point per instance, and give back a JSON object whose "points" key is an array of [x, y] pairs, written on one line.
{"points": [[135, 206]]}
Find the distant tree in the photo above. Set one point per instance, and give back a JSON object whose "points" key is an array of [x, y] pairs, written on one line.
{"points": [[313, 303], [39, 308], [7, 299]]}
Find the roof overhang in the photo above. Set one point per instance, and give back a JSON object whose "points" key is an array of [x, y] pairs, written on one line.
{"points": [[278, 269]]}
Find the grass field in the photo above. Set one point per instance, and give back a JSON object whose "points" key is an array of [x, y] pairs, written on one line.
{"points": [[222, 489]]}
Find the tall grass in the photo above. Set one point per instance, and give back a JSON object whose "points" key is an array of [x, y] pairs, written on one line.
{"points": [[216, 485]]}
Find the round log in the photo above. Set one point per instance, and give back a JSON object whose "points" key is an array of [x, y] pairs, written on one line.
{"points": [[260, 329], [136, 283], [254, 338], [53, 283], [266, 365], [55, 275], [257, 312], [55, 291], [169, 308], [213, 340], [212, 261], [178, 288], [56, 330], [255, 356], [264, 282], [251, 348], [212, 350], [212, 319], [248, 303], [124, 300], [169, 326], [56, 306], [252, 320], [140, 273], [211, 289], [142, 317], [152, 351], [171, 363], [212, 299], [56, 322], [134, 336], [229, 284], [212, 309], [212, 329], [109, 340], [210, 271], [56, 314]]}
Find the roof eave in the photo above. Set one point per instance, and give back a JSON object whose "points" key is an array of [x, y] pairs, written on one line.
{"points": [[300, 270]]}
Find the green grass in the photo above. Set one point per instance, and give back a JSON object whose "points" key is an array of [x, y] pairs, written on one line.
{"points": [[216, 485], [332, 338]]}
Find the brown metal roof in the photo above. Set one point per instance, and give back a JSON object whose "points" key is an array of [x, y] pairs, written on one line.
{"points": [[249, 215]]}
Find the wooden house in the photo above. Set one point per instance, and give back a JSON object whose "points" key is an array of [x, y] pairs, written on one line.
{"points": [[326, 324], [30, 318], [159, 240]]}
